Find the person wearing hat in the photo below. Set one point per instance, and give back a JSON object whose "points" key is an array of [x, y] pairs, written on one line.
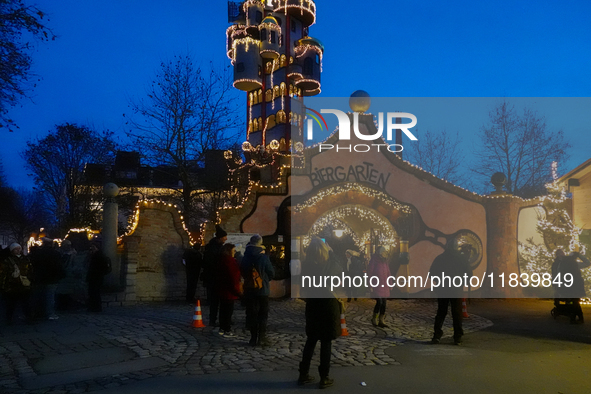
{"points": [[256, 298], [14, 284], [211, 266]]}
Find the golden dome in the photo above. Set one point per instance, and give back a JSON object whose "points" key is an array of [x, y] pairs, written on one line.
{"points": [[270, 19], [360, 101]]}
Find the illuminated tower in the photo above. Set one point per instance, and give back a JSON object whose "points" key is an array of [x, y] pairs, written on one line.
{"points": [[277, 63]]}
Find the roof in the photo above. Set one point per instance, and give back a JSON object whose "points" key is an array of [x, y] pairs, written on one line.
{"points": [[579, 171], [269, 19], [310, 41]]}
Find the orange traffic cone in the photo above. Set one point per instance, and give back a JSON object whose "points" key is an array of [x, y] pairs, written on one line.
{"points": [[197, 318], [464, 309], [344, 332]]}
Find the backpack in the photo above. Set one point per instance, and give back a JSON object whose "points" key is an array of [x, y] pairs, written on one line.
{"points": [[257, 280]]}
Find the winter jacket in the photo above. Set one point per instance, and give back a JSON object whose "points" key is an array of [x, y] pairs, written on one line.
{"points": [[211, 261], [46, 266], [228, 279], [99, 265], [255, 256], [450, 264], [378, 266], [11, 285], [323, 310]]}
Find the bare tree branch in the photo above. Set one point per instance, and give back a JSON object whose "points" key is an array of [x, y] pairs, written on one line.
{"points": [[521, 147], [187, 111]]}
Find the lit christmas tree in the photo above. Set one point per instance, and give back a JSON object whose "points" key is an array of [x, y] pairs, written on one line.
{"points": [[558, 232]]}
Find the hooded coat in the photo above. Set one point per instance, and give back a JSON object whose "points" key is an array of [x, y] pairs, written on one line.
{"points": [[255, 256]]}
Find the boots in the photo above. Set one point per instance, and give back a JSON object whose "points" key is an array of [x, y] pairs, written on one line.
{"points": [[381, 323], [325, 382], [374, 320], [305, 377], [253, 337], [263, 340]]}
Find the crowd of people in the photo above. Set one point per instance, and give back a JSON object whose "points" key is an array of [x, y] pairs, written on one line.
{"points": [[229, 277], [30, 282]]}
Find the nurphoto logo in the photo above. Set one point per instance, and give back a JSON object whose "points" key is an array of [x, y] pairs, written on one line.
{"points": [[344, 130]]}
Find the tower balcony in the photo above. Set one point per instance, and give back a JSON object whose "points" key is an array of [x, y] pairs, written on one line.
{"points": [[303, 10]]}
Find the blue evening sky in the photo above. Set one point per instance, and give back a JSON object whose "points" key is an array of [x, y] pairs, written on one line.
{"points": [[107, 51]]}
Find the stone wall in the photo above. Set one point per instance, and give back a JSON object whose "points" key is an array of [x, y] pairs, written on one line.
{"points": [[152, 257]]}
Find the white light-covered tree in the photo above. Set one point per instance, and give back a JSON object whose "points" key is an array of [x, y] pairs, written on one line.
{"points": [[558, 232]]}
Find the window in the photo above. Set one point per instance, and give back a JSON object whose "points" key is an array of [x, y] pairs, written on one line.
{"points": [[308, 67], [259, 16], [272, 37], [240, 67], [281, 40], [317, 59], [264, 35], [293, 25]]}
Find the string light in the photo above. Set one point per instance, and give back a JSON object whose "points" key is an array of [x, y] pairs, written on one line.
{"points": [[307, 8], [349, 187], [337, 218], [538, 258], [154, 204]]}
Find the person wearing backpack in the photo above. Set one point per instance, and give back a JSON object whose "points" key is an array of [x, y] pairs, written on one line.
{"points": [[257, 271], [99, 265]]}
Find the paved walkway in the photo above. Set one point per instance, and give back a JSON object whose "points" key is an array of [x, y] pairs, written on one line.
{"points": [[84, 352]]}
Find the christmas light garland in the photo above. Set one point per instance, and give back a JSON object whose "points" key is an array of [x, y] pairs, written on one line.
{"points": [[348, 187]]}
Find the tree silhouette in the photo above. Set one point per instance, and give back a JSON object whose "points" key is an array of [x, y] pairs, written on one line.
{"points": [[521, 147], [57, 163], [18, 24], [187, 111]]}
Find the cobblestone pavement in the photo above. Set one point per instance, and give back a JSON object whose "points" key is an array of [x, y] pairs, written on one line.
{"points": [[126, 336]]}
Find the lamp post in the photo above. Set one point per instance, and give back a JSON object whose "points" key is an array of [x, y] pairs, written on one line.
{"points": [[109, 236]]}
